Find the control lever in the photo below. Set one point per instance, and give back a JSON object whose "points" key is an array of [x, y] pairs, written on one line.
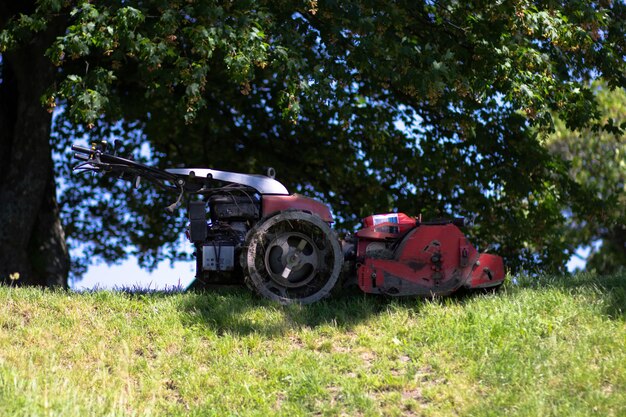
{"points": [[172, 207], [100, 146]]}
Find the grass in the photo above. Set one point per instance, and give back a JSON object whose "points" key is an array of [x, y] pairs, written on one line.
{"points": [[554, 346]]}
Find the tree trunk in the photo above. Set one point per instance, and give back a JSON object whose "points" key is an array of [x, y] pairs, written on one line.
{"points": [[32, 242]]}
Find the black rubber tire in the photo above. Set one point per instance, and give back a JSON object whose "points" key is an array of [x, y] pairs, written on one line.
{"points": [[292, 239]]}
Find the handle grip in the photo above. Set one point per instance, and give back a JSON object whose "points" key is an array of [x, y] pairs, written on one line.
{"points": [[80, 149]]}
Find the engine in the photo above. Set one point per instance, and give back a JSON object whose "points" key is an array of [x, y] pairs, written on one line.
{"points": [[219, 237]]}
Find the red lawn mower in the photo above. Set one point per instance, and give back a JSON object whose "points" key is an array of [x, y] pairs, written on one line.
{"points": [[249, 228]]}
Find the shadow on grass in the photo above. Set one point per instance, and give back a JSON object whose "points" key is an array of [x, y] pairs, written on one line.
{"points": [[238, 311]]}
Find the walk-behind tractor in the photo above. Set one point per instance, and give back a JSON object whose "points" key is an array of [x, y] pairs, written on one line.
{"points": [[248, 228]]}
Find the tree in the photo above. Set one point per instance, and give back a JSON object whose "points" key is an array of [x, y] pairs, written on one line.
{"points": [[432, 107], [598, 162], [32, 242]]}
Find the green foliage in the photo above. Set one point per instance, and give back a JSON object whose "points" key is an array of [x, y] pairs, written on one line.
{"points": [[436, 108], [549, 346], [169, 47], [597, 161]]}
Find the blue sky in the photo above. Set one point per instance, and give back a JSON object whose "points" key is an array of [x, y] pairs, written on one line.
{"points": [[129, 275]]}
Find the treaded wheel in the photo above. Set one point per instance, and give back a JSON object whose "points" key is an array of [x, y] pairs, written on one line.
{"points": [[292, 257]]}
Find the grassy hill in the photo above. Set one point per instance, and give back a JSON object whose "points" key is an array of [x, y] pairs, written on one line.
{"points": [[555, 346]]}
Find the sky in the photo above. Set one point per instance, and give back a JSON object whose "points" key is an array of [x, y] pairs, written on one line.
{"points": [[129, 275]]}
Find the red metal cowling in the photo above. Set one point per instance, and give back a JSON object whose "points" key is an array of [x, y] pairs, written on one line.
{"points": [[276, 203], [489, 271], [429, 260]]}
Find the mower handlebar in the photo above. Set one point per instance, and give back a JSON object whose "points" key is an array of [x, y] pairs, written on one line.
{"points": [[97, 159], [81, 150]]}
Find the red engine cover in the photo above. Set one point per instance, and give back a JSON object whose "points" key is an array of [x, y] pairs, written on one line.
{"points": [[429, 260], [381, 231], [380, 226], [276, 203]]}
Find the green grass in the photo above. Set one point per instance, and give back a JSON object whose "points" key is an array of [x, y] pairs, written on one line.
{"points": [[538, 348]]}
